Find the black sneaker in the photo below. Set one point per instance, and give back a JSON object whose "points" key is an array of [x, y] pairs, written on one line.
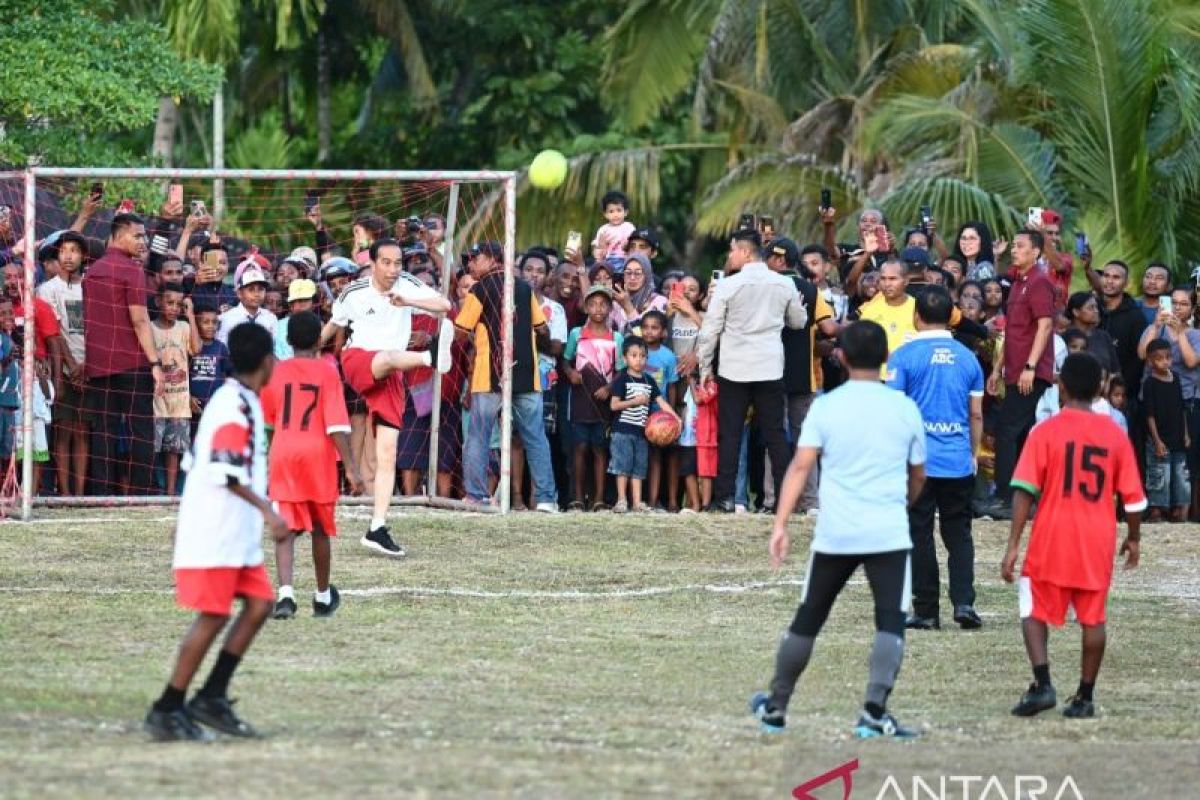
{"points": [[770, 719], [217, 713], [327, 609], [917, 623], [995, 510], [1079, 708], [174, 726], [285, 608], [869, 727], [720, 507], [381, 541], [1035, 700], [967, 618]]}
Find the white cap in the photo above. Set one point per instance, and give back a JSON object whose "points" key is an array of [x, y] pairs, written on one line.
{"points": [[251, 275]]}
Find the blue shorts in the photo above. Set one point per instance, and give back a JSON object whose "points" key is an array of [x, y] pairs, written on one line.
{"points": [[629, 454], [594, 434]]}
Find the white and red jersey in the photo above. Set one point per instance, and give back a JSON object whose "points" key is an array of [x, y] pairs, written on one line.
{"points": [[217, 528], [375, 324]]}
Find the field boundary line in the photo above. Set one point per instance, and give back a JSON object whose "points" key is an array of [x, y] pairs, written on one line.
{"points": [[480, 594]]}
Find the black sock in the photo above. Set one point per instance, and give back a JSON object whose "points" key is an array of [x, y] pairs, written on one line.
{"points": [[171, 700], [1041, 674], [1085, 690], [218, 680], [875, 710]]}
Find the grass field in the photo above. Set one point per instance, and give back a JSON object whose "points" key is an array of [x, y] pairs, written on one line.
{"points": [[580, 656]]}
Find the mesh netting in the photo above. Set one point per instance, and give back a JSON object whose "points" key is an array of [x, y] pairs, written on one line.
{"points": [[97, 429]]}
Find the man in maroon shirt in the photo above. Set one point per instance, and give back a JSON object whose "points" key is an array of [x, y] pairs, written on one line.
{"points": [[121, 362], [1027, 368]]}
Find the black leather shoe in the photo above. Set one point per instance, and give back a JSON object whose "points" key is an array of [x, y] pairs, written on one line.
{"points": [[967, 618], [915, 623], [1035, 700]]}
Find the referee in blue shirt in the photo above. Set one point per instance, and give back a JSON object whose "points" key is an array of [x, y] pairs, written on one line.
{"points": [[946, 382]]}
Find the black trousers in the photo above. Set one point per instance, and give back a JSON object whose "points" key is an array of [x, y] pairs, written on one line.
{"points": [[735, 398], [951, 497], [128, 395], [887, 575], [1017, 415]]}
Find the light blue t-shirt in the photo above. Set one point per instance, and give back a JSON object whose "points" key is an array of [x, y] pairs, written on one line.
{"points": [[868, 434], [661, 365], [940, 375]]}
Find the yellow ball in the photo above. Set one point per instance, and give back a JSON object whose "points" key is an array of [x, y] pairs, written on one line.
{"points": [[548, 170]]}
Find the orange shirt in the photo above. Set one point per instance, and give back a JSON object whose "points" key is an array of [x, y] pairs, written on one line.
{"points": [[304, 405]]}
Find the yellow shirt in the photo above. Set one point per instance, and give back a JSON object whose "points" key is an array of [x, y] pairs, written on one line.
{"points": [[899, 322]]}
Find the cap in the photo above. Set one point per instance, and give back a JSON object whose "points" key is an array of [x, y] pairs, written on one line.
{"points": [[1051, 217], [598, 288], [415, 250], [301, 289], [787, 248], [646, 235], [641, 259], [252, 274], [615, 264], [306, 255], [490, 248], [915, 255], [338, 267]]}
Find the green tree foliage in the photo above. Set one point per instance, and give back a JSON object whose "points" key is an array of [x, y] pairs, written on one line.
{"points": [[75, 79]]}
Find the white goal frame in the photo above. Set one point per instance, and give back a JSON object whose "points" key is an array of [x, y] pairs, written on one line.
{"points": [[507, 181]]}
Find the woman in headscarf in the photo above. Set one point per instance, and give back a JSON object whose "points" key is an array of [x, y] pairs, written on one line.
{"points": [[637, 295]]}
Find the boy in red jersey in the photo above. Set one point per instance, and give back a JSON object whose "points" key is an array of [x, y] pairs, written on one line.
{"points": [[218, 545], [304, 408], [1073, 464]]}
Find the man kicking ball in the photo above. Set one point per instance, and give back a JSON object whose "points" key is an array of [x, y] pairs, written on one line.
{"points": [[377, 313], [864, 495]]}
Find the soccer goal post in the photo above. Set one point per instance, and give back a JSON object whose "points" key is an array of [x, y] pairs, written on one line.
{"points": [[78, 441]]}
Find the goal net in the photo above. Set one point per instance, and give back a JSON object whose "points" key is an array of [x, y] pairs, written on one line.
{"points": [[81, 422]]}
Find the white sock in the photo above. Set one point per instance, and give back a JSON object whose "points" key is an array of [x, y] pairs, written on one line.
{"points": [[427, 357], [323, 597], [286, 591], [377, 523]]}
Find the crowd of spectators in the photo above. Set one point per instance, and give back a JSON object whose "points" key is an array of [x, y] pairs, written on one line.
{"points": [[130, 337]]}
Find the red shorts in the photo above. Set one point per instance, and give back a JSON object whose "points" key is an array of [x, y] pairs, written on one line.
{"points": [[384, 396], [706, 461], [1048, 602], [211, 590], [305, 515]]}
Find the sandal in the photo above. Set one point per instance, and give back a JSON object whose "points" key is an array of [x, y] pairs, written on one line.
{"points": [[574, 505], [600, 507]]}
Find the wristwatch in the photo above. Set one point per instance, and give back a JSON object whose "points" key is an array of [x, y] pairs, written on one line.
{"points": [[1031, 367], [154, 364]]}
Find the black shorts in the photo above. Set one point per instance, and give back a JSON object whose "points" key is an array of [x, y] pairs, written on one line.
{"points": [[687, 461], [891, 587]]}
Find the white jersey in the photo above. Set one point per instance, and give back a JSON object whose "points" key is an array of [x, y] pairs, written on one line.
{"points": [[237, 315], [375, 324], [217, 528]]}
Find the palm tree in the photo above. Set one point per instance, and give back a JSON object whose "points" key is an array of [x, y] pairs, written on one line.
{"points": [[979, 108]]}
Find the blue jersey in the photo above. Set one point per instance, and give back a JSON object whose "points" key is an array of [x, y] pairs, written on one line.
{"points": [[940, 375], [661, 364]]}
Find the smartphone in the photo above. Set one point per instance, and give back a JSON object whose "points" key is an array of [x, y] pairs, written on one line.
{"points": [[1034, 218], [826, 199], [618, 280], [677, 290], [766, 226], [1165, 304], [311, 201], [884, 238], [97, 191], [212, 260], [198, 209], [126, 206], [574, 241], [1081, 243], [717, 274], [746, 222], [175, 194], [926, 216]]}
